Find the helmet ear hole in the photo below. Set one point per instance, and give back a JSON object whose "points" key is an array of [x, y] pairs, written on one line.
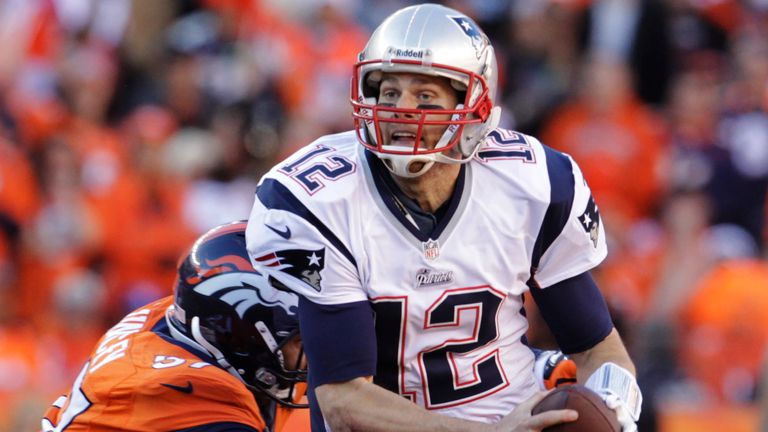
{"points": [[373, 79], [459, 87], [461, 96], [371, 84]]}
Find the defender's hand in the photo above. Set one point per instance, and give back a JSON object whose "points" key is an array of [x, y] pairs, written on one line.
{"points": [[553, 369]]}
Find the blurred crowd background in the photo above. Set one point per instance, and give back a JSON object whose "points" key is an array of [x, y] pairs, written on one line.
{"points": [[128, 127]]}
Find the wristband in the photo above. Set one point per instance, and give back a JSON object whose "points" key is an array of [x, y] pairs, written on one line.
{"points": [[611, 378]]}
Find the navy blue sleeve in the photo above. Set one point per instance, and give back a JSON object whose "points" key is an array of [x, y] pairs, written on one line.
{"points": [[575, 311], [339, 340], [340, 344], [220, 427]]}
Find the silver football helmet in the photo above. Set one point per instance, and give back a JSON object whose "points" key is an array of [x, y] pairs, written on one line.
{"points": [[433, 40]]}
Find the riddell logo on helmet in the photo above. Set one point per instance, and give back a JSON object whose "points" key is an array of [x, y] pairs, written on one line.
{"points": [[407, 52]]}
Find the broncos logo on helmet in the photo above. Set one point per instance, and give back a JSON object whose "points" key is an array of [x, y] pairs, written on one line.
{"points": [[224, 307], [243, 291]]}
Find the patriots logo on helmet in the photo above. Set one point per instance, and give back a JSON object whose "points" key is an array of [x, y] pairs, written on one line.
{"points": [[590, 220], [302, 264], [479, 40]]}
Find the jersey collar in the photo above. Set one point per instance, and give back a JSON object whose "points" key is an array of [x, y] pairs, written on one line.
{"points": [[424, 226]]}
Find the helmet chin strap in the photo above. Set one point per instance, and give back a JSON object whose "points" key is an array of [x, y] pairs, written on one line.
{"points": [[177, 334], [399, 164], [198, 336], [199, 342]]}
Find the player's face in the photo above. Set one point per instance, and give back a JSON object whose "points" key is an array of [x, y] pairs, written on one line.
{"points": [[414, 91], [293, 354]]}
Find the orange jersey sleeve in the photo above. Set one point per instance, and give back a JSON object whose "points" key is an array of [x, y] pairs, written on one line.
{"points": [[291, 419], [137, 379]]}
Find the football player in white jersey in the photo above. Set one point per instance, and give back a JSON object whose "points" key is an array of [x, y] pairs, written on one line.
{"points": [[414, 238]]}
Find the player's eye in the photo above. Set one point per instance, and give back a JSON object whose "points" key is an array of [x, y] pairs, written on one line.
{"points": [[425, 96], [389, 94]]}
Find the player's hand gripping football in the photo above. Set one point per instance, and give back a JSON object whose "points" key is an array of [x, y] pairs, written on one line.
{"points": [[521, 419], [620, 391]]}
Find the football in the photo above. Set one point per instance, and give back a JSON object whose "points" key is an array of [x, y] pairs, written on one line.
{"points": [[594, 415]]}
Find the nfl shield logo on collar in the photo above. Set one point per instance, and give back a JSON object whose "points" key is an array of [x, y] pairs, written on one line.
{"points": [[431, 249]]}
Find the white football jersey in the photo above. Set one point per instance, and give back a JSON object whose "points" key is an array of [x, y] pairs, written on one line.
{"points": [[449, 318]]}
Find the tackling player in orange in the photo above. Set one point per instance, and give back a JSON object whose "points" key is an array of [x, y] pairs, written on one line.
{"points": [[553, 369], [222, 354]]}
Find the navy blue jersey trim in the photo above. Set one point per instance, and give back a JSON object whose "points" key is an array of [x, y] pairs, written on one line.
{"points": [[562, 183], [387, 190], [575, 311], [390, 193], [276, 196], [453, 204], [220, 427]]}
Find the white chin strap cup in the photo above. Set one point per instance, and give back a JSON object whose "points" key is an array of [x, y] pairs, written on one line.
{"points": [[399, 164]]}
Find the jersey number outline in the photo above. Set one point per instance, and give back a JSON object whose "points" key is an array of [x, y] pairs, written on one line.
{"points": [[510, 145], [76, 404], [311, 175], [440, 377]]}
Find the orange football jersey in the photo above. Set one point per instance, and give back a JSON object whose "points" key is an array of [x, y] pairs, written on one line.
{"points": [[140, 379]]}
